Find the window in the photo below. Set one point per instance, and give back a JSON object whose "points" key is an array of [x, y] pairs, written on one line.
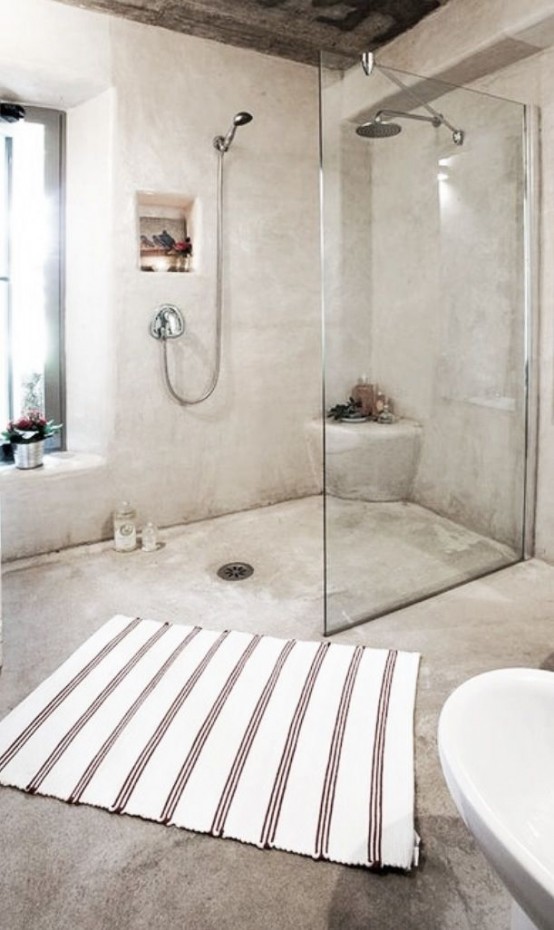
{"points": [[31, 290]]}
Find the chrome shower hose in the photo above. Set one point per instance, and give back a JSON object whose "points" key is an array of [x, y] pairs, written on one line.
{"points": [[185, 401]]}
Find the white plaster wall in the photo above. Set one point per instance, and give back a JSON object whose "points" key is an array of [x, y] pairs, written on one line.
{"points": [[50, 55], [346, 206], [246, 446], [405, 268], [530, 81], [435, 285], [467, 39], [448, 307], [498, 46], [90, 324]]}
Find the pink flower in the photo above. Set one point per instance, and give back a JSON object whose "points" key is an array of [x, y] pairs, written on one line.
{"points": [[185, 246]]}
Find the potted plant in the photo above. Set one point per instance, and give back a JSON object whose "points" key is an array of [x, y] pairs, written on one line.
{"points": [[27, 435]]}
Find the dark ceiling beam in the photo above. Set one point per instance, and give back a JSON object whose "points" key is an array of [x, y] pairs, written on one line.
{"points": [[294, 29]]}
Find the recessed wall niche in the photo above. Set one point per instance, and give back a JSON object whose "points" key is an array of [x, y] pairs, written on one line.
{"points": [[165, 232]]}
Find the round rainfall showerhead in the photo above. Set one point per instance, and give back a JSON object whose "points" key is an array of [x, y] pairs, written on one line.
{"points": [[376, 129]]}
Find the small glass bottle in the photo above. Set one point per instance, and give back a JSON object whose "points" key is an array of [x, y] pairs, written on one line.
{"points": [[386, 415], [124, 528], [149, 537]]}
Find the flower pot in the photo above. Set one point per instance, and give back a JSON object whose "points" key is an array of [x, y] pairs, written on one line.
{"points": [[28, 454]]}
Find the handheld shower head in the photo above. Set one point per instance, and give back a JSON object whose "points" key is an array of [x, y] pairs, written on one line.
{"points": [[242, 118], [223, 143]]}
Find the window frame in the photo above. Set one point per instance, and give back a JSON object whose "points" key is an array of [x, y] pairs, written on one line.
{"points": [[54, 122]]}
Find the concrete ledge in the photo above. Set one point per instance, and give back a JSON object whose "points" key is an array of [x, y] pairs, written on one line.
{"points": [[55, 464], [369, 461]]}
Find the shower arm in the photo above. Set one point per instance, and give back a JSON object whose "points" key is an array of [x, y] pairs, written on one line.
{"points": [[368, 63], [401, 114]]}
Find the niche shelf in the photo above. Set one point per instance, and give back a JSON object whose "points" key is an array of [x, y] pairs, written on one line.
{"points": [[166, 232]]}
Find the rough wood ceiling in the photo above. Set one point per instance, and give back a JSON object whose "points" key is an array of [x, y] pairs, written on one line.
{"points": [[295, 29]]}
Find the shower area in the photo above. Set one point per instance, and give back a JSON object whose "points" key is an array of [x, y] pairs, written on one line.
{"points": [[215, 429], [426, 199]]}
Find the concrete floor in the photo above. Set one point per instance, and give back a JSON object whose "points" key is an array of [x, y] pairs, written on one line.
{"points": [[381, 556], [78, 868]]}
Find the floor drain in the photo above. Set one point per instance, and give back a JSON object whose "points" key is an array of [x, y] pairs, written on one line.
{"points": [[235, 571]]}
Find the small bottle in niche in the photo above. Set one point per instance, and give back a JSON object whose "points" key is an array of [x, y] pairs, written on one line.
{"points": [[386, 415], [149, 537], [363, 395], [125, 528]]}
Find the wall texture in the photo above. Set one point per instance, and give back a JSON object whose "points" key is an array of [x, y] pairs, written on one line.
{"points": [[530, 81], [430, 287], [498, 47], [505, 48], [448, 306], [150, 128], [156, 125]]}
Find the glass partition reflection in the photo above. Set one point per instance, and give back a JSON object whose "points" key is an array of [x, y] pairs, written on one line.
{"points": [[425, 335]]}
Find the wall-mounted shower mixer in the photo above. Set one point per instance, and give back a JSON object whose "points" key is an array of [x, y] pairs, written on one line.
{"points": [[168, 322]]}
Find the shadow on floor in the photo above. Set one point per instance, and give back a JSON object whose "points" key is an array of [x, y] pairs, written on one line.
{"points": [[431, 896]]}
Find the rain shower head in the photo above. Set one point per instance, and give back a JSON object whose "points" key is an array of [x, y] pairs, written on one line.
{"points": [[375, 129], [380, 126], [223, 143]]}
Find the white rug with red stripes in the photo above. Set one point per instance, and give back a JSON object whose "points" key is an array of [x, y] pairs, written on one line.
{"points": [[299, 746]]}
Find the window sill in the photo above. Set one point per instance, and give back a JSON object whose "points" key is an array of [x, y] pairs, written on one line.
{"points": [[55, 463]]}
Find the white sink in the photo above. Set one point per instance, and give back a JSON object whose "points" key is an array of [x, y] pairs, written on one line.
{"points": [[496, 744]]}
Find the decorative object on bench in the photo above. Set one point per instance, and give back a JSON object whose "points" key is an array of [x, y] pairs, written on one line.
{"points": [[351, 412]]}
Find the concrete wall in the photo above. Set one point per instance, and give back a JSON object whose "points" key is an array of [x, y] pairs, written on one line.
{"points": [[144, 105], [347, 245], [433, 278], [448, 306], [56, 55], [505, 48]]}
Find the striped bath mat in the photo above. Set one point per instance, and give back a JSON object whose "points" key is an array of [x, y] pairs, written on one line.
{"points": [[300, 746]]}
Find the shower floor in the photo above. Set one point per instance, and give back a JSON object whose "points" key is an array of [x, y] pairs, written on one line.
{"points": [[381, 556], [72, 866]]}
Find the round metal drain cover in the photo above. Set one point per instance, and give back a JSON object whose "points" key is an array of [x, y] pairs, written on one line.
{"points": [[235, 571]]}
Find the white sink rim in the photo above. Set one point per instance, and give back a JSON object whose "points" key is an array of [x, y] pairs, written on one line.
{"points": [[526, 877]]}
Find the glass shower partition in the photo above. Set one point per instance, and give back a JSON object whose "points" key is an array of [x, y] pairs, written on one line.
{"points": [[426, 337]]}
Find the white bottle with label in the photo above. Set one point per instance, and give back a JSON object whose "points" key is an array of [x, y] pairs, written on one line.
{"points": [[125, 528]]}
